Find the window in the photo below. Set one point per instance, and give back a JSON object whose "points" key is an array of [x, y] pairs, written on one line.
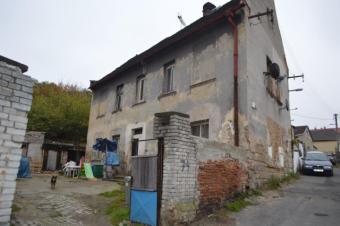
{"points": [[101, 109], [137, 131], [200, 128], [140, 89], [119, 97], [168, 77], [273, 87]]}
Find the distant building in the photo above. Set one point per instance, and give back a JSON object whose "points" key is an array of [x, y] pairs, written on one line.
{"points": [[325, 139], [47, 155], [303, 135]]}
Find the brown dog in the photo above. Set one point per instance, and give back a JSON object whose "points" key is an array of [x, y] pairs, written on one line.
{"points": [[53, 182]]}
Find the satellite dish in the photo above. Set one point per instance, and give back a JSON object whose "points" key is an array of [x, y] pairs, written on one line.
{"points": [[274, 70]]}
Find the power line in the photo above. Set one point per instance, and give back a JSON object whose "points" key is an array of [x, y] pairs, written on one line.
{"points": [[312, 117]]}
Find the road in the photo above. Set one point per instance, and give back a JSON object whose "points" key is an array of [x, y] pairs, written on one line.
{"points": [[313, 200]]}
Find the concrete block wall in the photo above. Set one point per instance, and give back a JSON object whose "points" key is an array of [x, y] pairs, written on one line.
{"points": [[179, 195], [15, 101]]}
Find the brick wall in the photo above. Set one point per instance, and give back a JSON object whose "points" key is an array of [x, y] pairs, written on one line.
{"points": [[198, 174], [179, 195], [218, 181], [15, 101]]}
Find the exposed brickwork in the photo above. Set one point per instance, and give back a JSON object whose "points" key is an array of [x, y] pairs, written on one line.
{"points": [[179, 168], [15, 101], [217, 181]]}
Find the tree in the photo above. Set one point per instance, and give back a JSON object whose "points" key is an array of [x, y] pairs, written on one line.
{"points": [[60, 110]]}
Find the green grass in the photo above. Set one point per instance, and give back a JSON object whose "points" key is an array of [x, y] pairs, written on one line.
{"points": [[241, 201], [15, 208], [273, 183], [276, 182], [238, 204], [118, 210]]}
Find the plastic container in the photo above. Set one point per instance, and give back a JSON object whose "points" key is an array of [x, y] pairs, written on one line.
{"points": [[97, 171]]}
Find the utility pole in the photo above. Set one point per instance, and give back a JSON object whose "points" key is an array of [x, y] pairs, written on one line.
{"points": [[337, 137]]}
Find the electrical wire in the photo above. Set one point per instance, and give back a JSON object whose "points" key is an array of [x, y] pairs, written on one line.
{"points": [[312, 117]]}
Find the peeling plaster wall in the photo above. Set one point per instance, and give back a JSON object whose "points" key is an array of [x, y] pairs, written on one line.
{"points": [[207, 58], [267, 125]]}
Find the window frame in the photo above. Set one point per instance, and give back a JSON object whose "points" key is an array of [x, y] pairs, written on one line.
{"points": [[168, 79], [140, 89], [119, 98], [200, 124]]}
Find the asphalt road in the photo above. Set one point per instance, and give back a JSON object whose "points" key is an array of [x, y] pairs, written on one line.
{"points": [[313, 200]]}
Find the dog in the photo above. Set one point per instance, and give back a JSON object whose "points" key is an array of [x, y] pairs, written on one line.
{"points": [[53, 182]]}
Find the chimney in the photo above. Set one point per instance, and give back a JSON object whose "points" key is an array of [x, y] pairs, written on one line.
{"points": [[208, 8]]}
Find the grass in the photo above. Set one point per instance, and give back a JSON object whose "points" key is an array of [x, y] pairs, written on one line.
{"points": [[15, 208], [118, 210], [238, 204], [241, 201], [276, 182]]}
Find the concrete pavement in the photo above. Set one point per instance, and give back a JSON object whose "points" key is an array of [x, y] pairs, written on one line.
{"points": [[313, 200]]}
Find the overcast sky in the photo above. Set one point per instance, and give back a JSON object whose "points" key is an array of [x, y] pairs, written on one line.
{"points": [[81, 40]]}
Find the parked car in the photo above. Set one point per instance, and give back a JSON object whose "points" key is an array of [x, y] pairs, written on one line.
{"points": [[316, 162], [332, 158]]}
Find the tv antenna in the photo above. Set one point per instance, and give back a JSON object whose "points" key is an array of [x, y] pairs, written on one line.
{"points": [[179, 16]]}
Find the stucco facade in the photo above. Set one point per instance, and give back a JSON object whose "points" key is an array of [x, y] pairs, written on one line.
{"points": [[326, 146], [203, 89]]}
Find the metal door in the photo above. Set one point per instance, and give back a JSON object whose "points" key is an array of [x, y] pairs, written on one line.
{"points": [[146, 189]]}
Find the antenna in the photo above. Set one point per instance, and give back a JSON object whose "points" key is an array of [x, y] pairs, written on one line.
{"points": [[181, 20]]}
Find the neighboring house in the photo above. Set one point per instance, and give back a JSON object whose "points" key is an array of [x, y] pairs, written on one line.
{"points": [[325, 139], [303, 135], [217, 75], [45, 154], [15, 101]]}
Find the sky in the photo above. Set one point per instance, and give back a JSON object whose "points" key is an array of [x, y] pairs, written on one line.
{"points": [[81, 40]]}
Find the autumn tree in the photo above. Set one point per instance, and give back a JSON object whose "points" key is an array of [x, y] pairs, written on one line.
{"points": [[60, 110]]}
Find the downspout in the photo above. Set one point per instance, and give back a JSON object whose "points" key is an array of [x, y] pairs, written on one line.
{"points": [[235, 65]]}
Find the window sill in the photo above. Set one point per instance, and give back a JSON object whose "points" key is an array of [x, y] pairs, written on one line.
{"points": [[171, 93], [139, 103], [115, 111], [203, 83]]}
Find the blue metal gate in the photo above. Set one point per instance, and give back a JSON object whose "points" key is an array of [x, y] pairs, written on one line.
{"points": [[146, 187], [144, 207]]}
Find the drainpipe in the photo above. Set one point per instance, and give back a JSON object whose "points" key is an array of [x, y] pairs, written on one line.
{"points": [[235, 63]]}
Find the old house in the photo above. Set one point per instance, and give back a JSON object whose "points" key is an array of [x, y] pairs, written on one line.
{"points": [[325, 139], [216, 92], [304, 136], [15, 101]]}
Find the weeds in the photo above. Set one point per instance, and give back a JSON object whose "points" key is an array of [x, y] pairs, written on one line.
{"points": [[15, 208], [276, 182], [241, 200], [118, 210], [238, 204]]}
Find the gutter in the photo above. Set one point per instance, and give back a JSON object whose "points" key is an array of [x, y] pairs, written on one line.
{"points": [[235, 66]]}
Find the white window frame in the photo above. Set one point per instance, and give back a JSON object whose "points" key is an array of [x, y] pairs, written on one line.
{"points": [[140, 89], [168, 80], [119, 97], [200, 124]]}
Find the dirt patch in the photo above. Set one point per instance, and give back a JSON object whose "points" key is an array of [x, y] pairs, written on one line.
{"points": [[72, 202]]}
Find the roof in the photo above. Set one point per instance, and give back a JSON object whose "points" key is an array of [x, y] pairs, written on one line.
{"points": [[22, 67], [327, 134], [190, 30], [298, 130]]}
